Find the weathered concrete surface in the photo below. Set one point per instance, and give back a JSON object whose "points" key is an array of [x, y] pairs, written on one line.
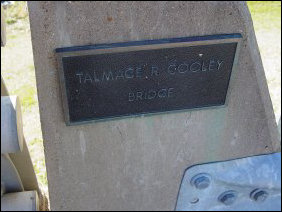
{"points": [[4, 91], [138, 163], [11, 125]]}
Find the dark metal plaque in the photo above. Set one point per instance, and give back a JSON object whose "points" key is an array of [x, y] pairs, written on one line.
{"points": [[142, 77]]}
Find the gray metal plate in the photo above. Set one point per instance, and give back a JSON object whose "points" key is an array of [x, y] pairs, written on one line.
{"points": [[20, 201], [242, 176]]}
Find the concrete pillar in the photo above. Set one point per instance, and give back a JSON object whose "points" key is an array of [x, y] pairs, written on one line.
{"points": [[137, 163]]}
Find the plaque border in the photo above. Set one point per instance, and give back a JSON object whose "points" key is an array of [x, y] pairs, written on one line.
{"points": [[139, 46]]}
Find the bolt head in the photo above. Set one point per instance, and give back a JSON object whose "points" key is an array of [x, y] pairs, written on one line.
{"points": [[201, 181], [259, 195], [228, 197]]}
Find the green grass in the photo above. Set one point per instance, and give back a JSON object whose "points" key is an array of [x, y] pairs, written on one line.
{"points": [[266, 17], [17, 11], [266, 14], [18, 71], [27, 95]]}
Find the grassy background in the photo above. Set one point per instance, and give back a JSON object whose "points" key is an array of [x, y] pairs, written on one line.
{"points": [[267, 23], [17, 68]]}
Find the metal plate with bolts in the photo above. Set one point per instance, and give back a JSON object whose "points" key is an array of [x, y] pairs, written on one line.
{"points": [[20, 201], [247, 184], [145, 77]]}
